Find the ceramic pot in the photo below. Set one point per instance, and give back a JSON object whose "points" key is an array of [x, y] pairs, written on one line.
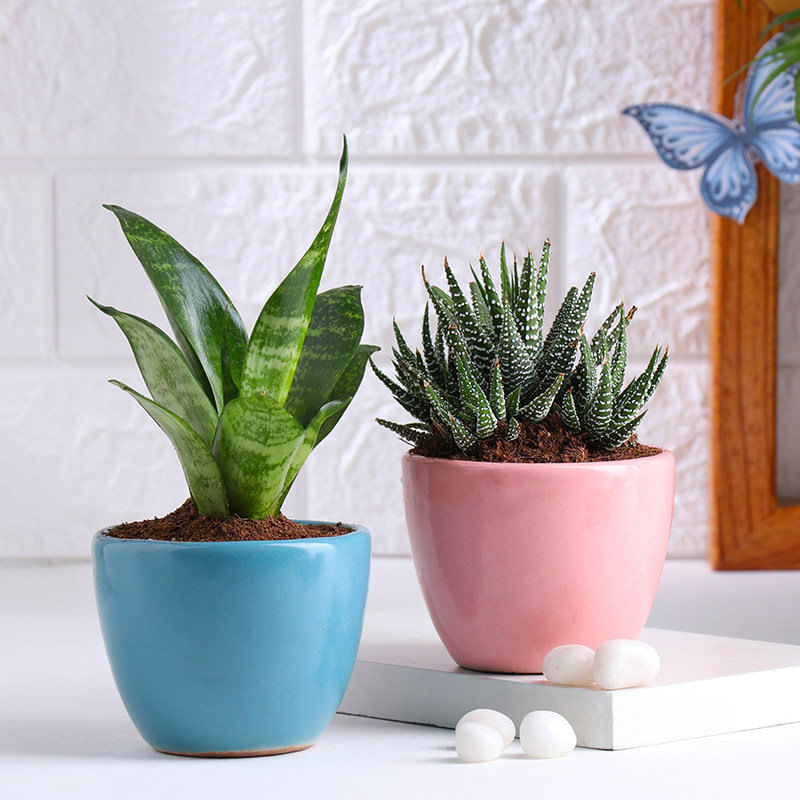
{"points": [[232, 648], [515, 559]]}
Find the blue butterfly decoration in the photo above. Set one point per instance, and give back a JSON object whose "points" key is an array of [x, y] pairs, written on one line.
{"points": [[729, 149]]}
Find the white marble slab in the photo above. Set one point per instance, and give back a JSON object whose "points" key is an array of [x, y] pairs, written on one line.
{"points": [[707, 685]]}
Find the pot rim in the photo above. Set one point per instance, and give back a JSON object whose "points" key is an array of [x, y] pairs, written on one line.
{"points": [[358, 530], [537, 465]]}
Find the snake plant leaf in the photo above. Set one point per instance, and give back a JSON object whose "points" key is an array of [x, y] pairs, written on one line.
{"points": [[334, 332], [201, 471], [347, 386], [166, 372], [255, 444], [196, 306], [309, 442], [277, 339]]}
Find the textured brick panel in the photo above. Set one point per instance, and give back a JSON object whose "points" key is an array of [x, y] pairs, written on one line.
{"points": [[645, 231], [81, 456], [514, 77], [678, 420], [150, 78], [26, 286]]}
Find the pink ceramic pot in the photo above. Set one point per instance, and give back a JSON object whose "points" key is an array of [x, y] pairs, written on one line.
{"points": [[515, 559]]}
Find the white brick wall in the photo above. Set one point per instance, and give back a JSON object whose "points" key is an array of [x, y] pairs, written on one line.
{"points": [[468, 121]]}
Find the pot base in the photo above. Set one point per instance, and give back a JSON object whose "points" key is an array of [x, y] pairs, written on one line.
{"points": [[238, 753]]}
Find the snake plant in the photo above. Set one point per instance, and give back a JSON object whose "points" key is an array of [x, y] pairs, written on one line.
{"points": [[489, 367], [243, 412]]}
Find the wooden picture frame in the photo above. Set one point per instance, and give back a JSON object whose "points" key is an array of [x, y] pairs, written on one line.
{"points": [[750, 527]]}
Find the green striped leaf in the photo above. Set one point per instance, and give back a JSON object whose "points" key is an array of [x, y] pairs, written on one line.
{"points": [[617, 436], [491, 298], [408, 433], [620, 359], [505, 279], [585, 382], [496, 393], [196, 306], [598, 414], [535, 321], [334, 332], [199, 467], [166, 373], [515, 363], [277, 339], [309, 442], [254, 447], [347, 386]]}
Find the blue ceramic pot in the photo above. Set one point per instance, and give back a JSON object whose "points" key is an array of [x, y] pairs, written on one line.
{"points": [[232, 648]]}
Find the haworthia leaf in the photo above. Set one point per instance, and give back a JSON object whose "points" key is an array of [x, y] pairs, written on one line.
{"points": [[620, 360], [515, 363], [166, 373], [196, 306], [274, 348], [199, 467], [533, 338], [540, 406], [347, 385], [462, 437], [569, 413], [493, 302], [410, 402], [617, 436], [606, 328], [513, 430], [480, 346], [480, 309], [255, 444], [406, 432], [402, 346], [505, 280], [526, 298], [309, 442], [334, 332], [598, 414], [512, 403], [585, 382], [497, 393]]}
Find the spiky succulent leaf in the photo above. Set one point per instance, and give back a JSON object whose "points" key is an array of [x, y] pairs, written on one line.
{"points": [[535, 322], [166, 373], [273, 351], [491, 297], [505, 278], [462, 437], [410, 402], [617, 436], [637, 392], [512, 403], [254, 447], [513, 430], [585, 381], [196, 306], [406, 432], [620, 359], [481, 309], [496, 393], [480, 346], [538, 408], [515, 363], [598, 415], [569, 414], [334, 332], [202, 473]]}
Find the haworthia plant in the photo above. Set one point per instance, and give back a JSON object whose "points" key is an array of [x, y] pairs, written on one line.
{"points": [[489, 365], [243, 413]]}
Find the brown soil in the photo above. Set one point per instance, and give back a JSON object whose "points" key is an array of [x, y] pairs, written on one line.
{"points": [[547, 442], [186, 525]]}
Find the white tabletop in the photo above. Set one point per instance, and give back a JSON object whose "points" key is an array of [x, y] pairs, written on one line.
{"points": [[64, 732]]}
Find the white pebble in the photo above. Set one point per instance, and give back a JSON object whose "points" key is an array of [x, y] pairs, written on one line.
{"points": [[545, 734], [569, 665], [494, 719], [477, 742], [623, 663]]}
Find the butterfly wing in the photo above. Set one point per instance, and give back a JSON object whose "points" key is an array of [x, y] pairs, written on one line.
{"points": [[769, 121], [729, 184], [684, 138]]}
